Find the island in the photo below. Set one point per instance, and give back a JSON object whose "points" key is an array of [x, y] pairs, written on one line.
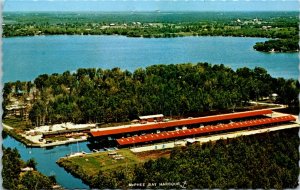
{"points": [[278, 45]]}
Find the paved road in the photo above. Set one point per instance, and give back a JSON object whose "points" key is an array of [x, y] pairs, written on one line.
{"points": [[7, 127], [276, 106]]}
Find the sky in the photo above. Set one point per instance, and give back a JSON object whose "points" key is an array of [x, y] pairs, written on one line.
{"points": [[150, 5]]}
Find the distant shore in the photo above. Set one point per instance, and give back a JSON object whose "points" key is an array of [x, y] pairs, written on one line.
{"points": [[155, 25]]}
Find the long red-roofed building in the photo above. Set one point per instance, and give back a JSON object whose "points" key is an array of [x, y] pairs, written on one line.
{"points": [[198, 131], [154, 132], [176, 123]]}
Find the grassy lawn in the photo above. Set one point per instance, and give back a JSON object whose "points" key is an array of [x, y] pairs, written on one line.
{"points": [[17, 136], [17, 123], [91, 164], [57, 138], [18, 126]]}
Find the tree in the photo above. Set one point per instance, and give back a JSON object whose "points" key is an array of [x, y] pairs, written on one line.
{"points": [[41, 82], [31, 163], [245, 162], [12, 177], [103, 181], [35, 181], [11, 168], [115, 96], [37, 113]]}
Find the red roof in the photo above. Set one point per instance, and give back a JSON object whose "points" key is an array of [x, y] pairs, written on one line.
{"points": [[161, 125], [195, 131]]}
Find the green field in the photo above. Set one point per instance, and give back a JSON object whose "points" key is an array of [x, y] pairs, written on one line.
{"points": [[93, 163], [18, 124], [102, 161], [88, 166]]}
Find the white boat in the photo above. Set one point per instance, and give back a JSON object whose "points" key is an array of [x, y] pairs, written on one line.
{"points": [[76, 154]]}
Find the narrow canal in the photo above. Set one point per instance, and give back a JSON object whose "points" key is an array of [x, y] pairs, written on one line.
{"points": [[46, 160]]}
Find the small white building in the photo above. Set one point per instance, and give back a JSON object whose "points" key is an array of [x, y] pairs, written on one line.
{"points": [[151, 118], [26, 169], [274, 96]]}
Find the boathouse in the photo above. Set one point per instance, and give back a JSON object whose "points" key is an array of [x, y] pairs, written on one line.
{"points": [[160, 131]]}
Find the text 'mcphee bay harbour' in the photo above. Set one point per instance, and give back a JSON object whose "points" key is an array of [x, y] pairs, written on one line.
{"points": [[25, 58]]}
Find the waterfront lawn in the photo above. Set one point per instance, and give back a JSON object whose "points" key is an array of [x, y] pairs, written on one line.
{"points": [[57, 138], [17, 123], [91, 164], [19, 126]]}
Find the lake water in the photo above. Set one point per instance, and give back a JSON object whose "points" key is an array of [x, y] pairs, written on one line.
{"points": [[27, 57], [46, 160]]}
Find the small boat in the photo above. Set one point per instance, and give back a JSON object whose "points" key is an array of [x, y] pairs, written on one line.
{"points": [[76, 154]]}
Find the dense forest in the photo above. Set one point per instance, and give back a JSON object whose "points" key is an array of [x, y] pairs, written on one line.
{"points": [[279, 45], [15, 179], [264, 161], [267, 161], [97, 95]]}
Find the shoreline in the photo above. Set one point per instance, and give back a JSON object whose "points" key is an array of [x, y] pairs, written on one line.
{"points": [[10, 131], [176, 35]]}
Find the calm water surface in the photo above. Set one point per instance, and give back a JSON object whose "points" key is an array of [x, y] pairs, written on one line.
{"points": [[46, 159], [27, 57]]}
